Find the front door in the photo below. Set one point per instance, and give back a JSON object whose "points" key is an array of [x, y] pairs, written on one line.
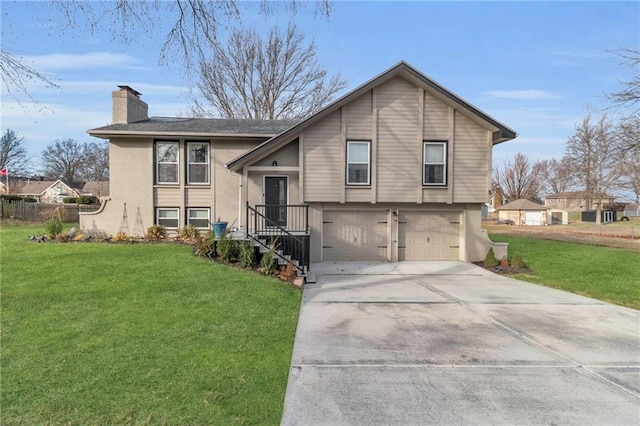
{"points": [[275, 199]]}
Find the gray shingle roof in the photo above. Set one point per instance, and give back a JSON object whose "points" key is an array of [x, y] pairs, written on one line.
{"points": [[202, 126], [522, 204]]}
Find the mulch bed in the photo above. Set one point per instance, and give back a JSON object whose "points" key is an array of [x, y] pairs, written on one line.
{"points": [[505, 270]]}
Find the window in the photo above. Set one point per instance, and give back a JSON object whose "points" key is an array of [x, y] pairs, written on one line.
{"points": [[168, 217], [198, 218], [435, 163], [358, 162], [167, 162], [198, 158]]}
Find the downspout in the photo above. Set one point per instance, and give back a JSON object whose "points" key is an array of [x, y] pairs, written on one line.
{"points": [[239, 201]]}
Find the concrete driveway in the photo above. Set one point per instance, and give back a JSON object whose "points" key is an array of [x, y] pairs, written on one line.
{"points": [[415, 343]]}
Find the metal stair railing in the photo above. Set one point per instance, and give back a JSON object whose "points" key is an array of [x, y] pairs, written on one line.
{"points": [[292, 245]]}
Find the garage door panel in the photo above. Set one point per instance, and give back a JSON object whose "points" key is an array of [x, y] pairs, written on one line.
{"points": [[354, 235], [428, 235]]}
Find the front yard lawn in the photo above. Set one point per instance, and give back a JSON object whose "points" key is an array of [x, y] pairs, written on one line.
{"points": [[604, 273], [138, 334]]}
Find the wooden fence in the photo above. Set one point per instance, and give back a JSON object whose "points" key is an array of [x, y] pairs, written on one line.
{"points": [[40, 212]]}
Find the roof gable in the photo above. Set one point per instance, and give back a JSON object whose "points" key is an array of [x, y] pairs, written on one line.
{"points": [[522, 204], [501, 132]]}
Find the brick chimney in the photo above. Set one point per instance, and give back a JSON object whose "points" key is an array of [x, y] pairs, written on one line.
{"points": [[128, 107]]}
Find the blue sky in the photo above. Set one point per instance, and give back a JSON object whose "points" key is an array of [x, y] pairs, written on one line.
{"points": [[535, 66]]}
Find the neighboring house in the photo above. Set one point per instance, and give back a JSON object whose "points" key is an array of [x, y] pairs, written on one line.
{"points": [[632, 210], [574, 201], [523, 212], [98, 189], [48, 191], [397, 169], [15, 183], [496, 199]]}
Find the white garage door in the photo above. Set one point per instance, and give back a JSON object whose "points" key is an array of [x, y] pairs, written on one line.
{"points": [[355, 235], [428, 235], [533, 218]]}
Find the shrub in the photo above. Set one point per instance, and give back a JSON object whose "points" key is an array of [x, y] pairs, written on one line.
{"points": [[189, 232], [10, 197], [87, 199], [227, 249], [156, 233], [120, 236], [288, 272], [70, 200], [29, 200], [204, 245], [517, 261], [62, 237], [268, 263], [247, 255], [53, 226], [490, 260], [504, 262]]}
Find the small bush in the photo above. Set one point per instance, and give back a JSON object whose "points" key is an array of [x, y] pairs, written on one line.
{"points": [[11, 197], [517, 261], [189, 232], [247, 255], [288, 272], [490, 260], [268, 263], [120, 236], [227, 249], [70, 200], [204, 245], [62, 237], [29, 200], [53, 226], [87, 199], [156, 233], [504, 262]]}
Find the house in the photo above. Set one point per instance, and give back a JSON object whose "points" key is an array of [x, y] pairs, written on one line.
{"points": [[632, 210], [48, 191], [573, 201], [523, 212], [99, 189], [396, 169]]}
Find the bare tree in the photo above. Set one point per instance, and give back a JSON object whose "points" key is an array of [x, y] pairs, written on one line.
{"points": [[13, 155], [629, 154], [96, 161], [272, 78], [519, 178], [64, 160], [190, 27], [557, 175], [629, 95], [592, 154]]}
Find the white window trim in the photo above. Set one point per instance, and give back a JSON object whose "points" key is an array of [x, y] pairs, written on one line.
{"points": [[443, 163], [207, 163], [157, 162], [207, 209], [368, 163], [176, 209]]}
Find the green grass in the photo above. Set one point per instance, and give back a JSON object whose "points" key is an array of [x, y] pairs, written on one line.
{"points": [[607, 274], [138, 334]]}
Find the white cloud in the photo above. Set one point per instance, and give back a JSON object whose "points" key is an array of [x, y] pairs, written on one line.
{"points": [[63, 61], [523, 94]]}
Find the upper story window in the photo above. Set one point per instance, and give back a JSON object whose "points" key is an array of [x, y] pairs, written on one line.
{"points": [[198, 162], [358, 162], [167, 166], [435, 163]]}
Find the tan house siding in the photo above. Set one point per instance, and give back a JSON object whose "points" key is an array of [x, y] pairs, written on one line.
{"points": [[397, 151], [285, 156], [167, 196], [358, 195], [322, 156], [359, 118], [227, 184], [436, 119], [198, 197], [472, 154]]}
